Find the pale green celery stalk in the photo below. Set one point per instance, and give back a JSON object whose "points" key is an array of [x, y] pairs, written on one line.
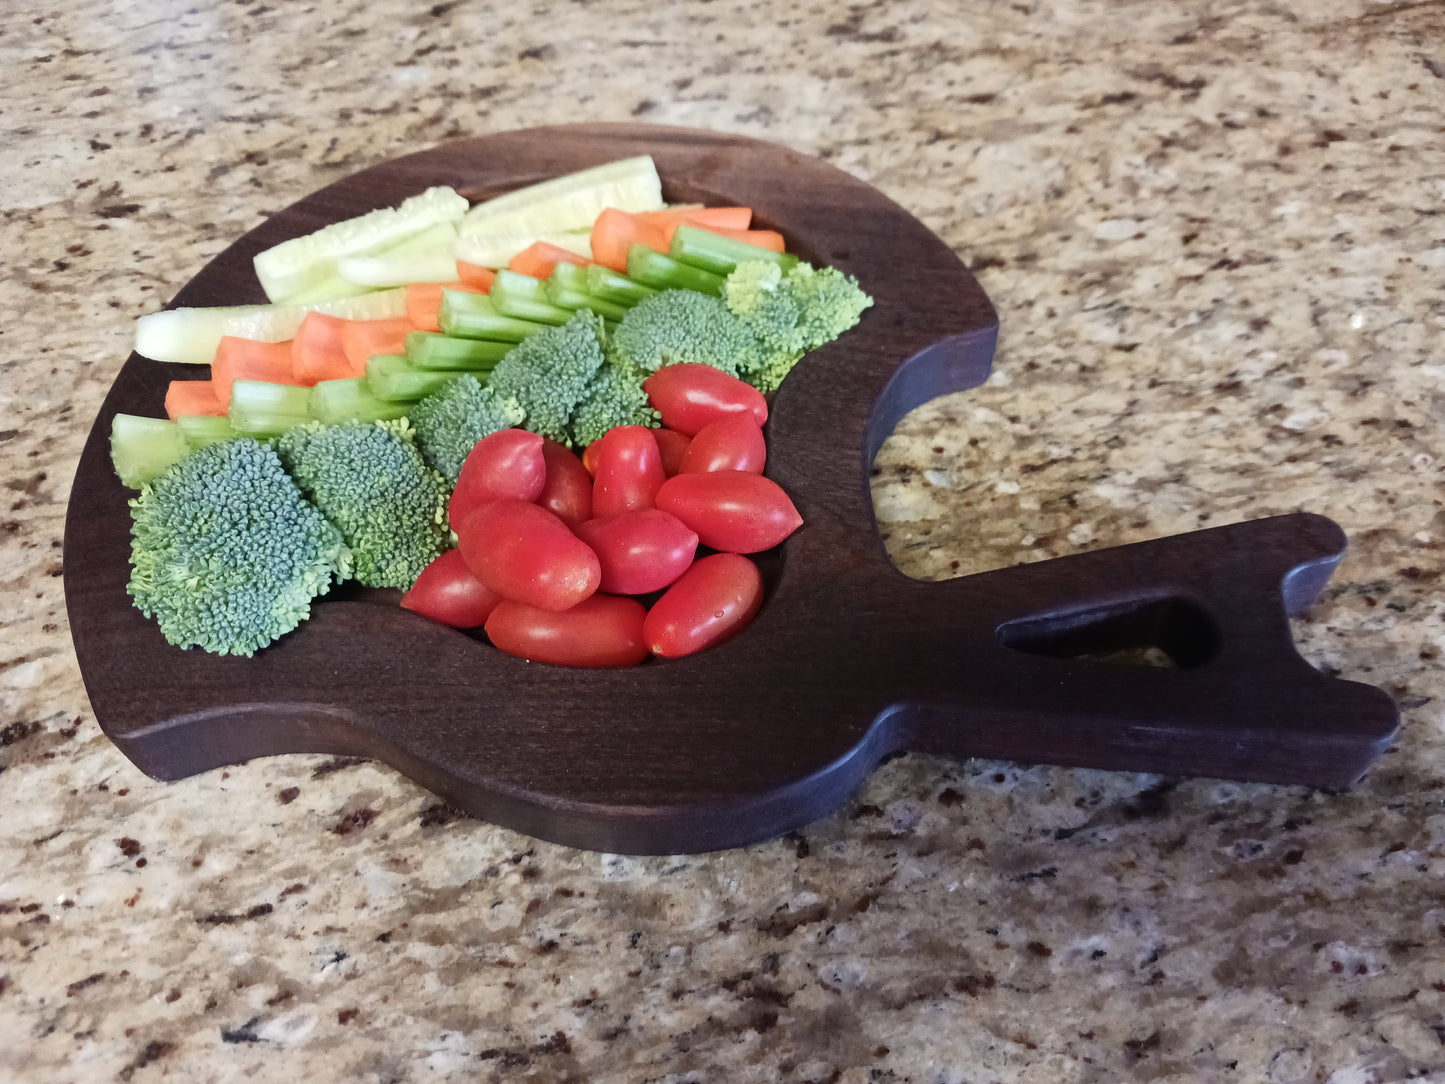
{"points": [[525, 298], [350, 400], [262, 409], [473, 316], [428, 350], [661, 272], [718, 254], [142, 449], [203, 429], [393, 378], [567, 297], [614, 286]]}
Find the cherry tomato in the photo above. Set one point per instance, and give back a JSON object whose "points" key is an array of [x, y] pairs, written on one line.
{"points": [[639, 551], [711, 601], [446, 591], [567, 493], [731, 510], [524, 552], [690, 395], [732, 442], [603, 630], [673, 446], [629, 471], [589, 456], [508, 463]]}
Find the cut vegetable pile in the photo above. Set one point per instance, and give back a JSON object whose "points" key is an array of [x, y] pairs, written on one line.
{"points": [[409, 409]]}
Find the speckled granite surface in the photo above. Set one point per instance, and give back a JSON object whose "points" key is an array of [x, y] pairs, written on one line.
{"points": [[1215, 233]]}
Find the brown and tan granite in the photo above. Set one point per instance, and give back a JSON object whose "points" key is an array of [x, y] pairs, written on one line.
{"points": [[1215, 233]]}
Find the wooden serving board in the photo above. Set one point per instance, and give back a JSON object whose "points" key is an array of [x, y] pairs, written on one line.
{"points": [[849, 660]]}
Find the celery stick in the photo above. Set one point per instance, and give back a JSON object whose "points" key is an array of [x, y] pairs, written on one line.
{"points": [[144, 448], [652, 268], [718, 254], [473, 316], [393, 378], [262, 409], [349, 399], [428, 350], [202, 429], [571, 275], [567, 298], [614, 286], [525, 298]]}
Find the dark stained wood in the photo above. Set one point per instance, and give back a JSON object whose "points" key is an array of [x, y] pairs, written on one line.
{"points": [[849, 660]]}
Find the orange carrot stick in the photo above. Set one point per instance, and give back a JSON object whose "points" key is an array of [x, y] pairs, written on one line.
{"points": [[476, 276], [616, 231], [770, 239], [424, 302], [318, 352], [539, 259], [362, 339], [193, 397], [707, 218], [247, 359]]}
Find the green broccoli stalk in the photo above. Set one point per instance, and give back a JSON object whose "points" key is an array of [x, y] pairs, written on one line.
{"points": [[676, 326], [615, 397], [226, 554], [369, 479], [449, 422], [550, 373], [791, 312]]}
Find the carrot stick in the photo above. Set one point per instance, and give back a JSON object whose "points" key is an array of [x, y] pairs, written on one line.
{"points": [[318, 352], [424, 302], [246, 359], [707, 218], [476, 276], [770, 239], [539, 259], [193, 397], [616, 231], [362, 339]]}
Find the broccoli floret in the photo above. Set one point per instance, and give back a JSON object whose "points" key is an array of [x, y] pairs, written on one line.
{"points": [[676, 326], [615, 397], [769, 375], [791, 312], [549, 373], [226, 554], [369, 479], [449, 422]]}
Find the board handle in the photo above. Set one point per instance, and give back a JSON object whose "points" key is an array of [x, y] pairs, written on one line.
{"points": [[1222, 690]]}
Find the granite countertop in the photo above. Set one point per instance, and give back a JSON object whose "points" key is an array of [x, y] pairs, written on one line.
{"points": [[1215, 234]]}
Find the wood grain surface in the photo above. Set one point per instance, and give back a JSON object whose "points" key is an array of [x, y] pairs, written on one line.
{"points": [[848, 661]]}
